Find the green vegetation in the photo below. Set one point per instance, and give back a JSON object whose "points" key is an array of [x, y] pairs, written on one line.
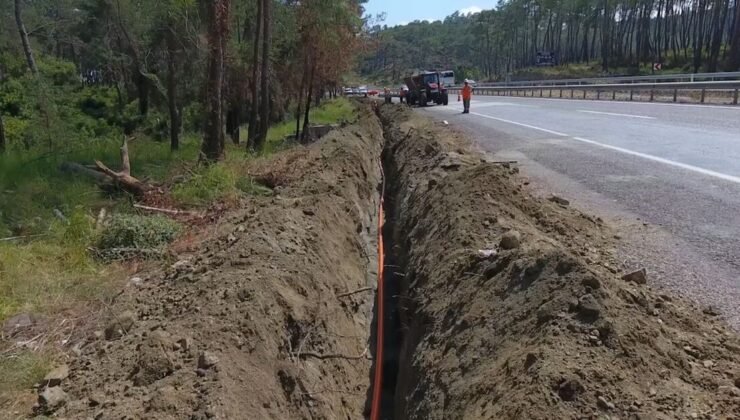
{"points": [[21, 371]]}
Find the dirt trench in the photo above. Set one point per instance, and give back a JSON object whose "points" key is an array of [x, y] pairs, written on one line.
{"points": [[512, 307], [500, 305]]}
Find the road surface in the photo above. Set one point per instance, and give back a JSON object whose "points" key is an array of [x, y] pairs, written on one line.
{"points": [[666, 175]]}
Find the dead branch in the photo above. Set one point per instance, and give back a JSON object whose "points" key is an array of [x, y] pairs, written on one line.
{"points": [[353, 292], [173, 212], [124, 178], [319, 356], [16, 238]]}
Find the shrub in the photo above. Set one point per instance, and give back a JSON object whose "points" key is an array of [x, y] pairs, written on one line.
{"points": [[134, 234], [210, 183]]}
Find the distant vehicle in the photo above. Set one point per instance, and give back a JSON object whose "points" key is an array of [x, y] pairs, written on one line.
{"points": [[347, 91], [426, 87], [447, 77], [372, 92], [362, 90]]}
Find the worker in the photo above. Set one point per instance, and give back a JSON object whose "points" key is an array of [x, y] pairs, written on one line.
{"points": [[467, 93], [387, 95]]}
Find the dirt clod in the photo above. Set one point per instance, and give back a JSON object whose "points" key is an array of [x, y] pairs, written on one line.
{"points": [[511, 239], [639, 276], [120, 325], [56, 376], [207, 360], [51, 399]]}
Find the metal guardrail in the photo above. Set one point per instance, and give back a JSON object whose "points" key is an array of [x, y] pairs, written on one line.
{"points": [[729, 86], [690, 77]]}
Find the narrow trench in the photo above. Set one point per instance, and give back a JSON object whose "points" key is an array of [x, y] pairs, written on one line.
{"points": [[394, 272]]}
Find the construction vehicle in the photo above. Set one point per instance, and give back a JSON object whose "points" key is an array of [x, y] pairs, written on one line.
{"points": [[426, 87]]}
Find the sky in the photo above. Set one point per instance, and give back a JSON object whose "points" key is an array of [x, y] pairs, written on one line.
{"points": [[400, 12]]}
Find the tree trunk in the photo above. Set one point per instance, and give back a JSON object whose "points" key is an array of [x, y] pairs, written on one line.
{"points": [[733, 63], [306, 121], [265, 87], [253, 128], [24, 39], [605, 39], [718, 27], [172, 90], [699, 35], [213, 137], [2, 135], [300, 99]]}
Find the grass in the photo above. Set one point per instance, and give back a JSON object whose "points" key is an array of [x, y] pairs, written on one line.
{"points": [[20, 372]]}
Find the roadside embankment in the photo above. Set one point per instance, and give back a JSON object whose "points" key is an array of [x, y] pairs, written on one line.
{"points": [[270, 318], [511, 306]]}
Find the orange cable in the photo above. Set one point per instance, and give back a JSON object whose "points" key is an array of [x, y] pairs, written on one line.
{"points": [[378, 380]]}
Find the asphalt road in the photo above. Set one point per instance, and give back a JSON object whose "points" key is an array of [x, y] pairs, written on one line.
{"points": [[666, 175]]}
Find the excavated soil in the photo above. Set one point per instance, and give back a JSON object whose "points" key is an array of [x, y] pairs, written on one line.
{"points": [[501, 305], [512, 308], [253, 325]]}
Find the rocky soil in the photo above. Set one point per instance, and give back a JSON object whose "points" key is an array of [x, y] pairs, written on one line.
{"points": [[512, 306]]}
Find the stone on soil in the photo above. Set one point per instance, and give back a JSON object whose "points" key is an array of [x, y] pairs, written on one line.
{"points": [[639, 276], [511, 239]]}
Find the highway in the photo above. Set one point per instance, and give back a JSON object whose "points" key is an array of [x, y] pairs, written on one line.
{"points": [[667, 176]]}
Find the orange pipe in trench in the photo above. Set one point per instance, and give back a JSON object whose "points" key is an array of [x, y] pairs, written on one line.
{"points": [[378, 380]]}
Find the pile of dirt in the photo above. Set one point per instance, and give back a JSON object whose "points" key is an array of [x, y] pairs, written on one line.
{"points": [[256, 323], [513, 307]]}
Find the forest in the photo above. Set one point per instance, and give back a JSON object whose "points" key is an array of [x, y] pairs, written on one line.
{"points": [[116, 115], [595, 36]]}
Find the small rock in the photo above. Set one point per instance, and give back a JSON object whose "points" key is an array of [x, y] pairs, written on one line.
{"points": [[182, 266], [653, 392], [604, 403], [708, 364], [569, 389], [639, 276], [737, 381], [711, 311], [487, 253], [207, 360], [120, 325], [231, 238], [201, 372], [591, 282], [241, 229], [135, 281], [588, 307], [692, 352], [55, 377], [511, 239], [729, 390], [51, 399], [308, 212], [185, 344], [559, 200]]}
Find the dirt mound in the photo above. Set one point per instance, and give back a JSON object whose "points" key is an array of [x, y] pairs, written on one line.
{"points": [[254, 324], [512, 306]]}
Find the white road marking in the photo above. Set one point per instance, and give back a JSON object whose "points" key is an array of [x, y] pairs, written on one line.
{"points": [[617, 114], [692, 168], [605, 101], [521, 124]]}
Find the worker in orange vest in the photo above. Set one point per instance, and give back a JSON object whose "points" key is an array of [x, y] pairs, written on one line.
{"points": [[467, 93]]}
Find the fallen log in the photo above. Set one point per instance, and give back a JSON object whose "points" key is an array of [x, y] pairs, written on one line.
{"points": [[123, 178]]}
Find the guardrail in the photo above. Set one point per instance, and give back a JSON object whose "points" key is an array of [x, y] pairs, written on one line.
{"points": [[729, 87], [690, 77]]}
